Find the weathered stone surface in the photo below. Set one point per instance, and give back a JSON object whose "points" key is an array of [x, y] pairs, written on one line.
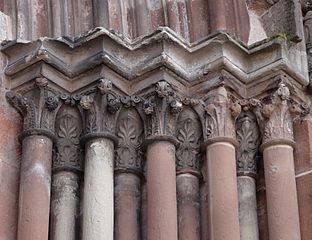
{"points": [[98, 198], [282, 203], [303, 166], [248, 218], [192, 20], [161, 191], [304, 183], [284, 18], [303, 149], [127, 194], [35, 188], [222, 192], [136, 60], [64, 206], [10, 155], [188, 207], [158, 70]]}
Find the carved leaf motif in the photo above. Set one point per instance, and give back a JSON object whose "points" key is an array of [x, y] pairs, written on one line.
{"points": [[91, 121], [126, 133], [189, 134], [129, 133], [221, 113], [248, 137], [68, 130]]}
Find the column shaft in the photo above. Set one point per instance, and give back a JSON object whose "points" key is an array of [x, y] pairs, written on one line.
{"points": [[98, 203], [222, 192], [64, 206], [282, 203], [161, 191], [188, 206], [248, 218], [35, 185], [127, 206]]}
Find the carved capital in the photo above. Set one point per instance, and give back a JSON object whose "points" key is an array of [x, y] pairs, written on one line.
{"points": [[189, 134], [248, 136], [276, 115], [161, 111], [100, 108], [221, 114], [38, 108], [129, 131], [67, 151]]}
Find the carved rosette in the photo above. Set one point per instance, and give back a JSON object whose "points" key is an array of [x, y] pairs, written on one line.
{"points": [[276, 117], [100, 110], [189, 133], [38, 108], [248, 136], [220, 117], [67, 151], [161, 111], [129, 131]]}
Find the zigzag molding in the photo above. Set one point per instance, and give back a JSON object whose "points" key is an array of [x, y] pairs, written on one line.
{"points": [[133, 65]]}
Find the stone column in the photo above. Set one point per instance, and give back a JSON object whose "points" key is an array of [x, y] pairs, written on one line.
{"points": [[37, 109], [99, 140], [161, 191], [67, 168], [98, 203], [276, 118], [221, 166], [161, 112], [64, 205], [128, 174], [35, 185], [189, 133], [248, 136]]}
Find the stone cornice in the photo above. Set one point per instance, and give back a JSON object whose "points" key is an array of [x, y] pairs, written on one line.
{"points": [[67, 61]]}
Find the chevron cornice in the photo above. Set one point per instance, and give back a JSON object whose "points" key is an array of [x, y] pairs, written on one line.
{"points": [[74, 64]]}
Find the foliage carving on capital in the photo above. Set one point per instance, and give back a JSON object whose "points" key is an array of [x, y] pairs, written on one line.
{"points": [[129, 132], [67, 151], [100, 108], [162, 110], [221, 114], [276, 115], [248, 136], [38, 106], [189, 134]]}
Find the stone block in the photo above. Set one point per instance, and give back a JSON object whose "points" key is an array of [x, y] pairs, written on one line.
{"points": [[303, 148], [304, 190]]}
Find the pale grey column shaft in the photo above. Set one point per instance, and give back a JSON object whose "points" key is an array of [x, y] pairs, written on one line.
{"points": [[64, 206], [248, 219], [98, 203]]}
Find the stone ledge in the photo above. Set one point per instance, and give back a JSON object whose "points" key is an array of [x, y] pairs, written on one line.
{"points": [[76, 63]]}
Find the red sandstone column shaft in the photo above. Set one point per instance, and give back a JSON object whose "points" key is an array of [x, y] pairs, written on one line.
{"points": [[188, 206], [98, 199], [127, 206], [161, 191], [35, 181], [281, 192], [128, 173], [276, 119], [222, 191]]}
